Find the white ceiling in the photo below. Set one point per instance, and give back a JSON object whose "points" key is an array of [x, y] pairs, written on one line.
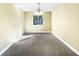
{"points": [[34, 6]]}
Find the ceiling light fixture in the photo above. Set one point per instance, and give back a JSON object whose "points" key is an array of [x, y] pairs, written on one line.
{"points": [[38, 11]]}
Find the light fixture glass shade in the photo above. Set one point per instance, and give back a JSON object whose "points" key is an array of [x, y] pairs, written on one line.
{"points": [[38, 13]]}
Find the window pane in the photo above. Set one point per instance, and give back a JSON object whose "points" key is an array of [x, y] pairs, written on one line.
{"points": [[37, 20]]}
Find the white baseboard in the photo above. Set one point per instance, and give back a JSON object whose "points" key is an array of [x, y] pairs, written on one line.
{"points": [[74, 50], [25, 37], [6, 48], [40, 32]]}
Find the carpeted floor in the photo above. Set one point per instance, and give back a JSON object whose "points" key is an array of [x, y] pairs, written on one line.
{"points": [[45, 44]]}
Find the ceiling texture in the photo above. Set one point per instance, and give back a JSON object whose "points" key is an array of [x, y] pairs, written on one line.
{"points": [[33, 6]]}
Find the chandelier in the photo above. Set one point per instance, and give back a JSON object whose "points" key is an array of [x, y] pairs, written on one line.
{"points": [[38, 11]]}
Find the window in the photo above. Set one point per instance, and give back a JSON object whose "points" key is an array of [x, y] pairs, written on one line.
{"points": [[37, 20]]}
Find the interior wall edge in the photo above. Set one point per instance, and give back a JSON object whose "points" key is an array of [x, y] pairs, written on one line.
{"points": [[73, 49], [8, 46], [11, 28]]}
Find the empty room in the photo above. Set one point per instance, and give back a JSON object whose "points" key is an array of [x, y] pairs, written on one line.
{"points": [[39, 29]]}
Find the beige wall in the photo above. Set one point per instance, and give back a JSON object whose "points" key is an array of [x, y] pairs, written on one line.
{"points": [[29, 27], [66, 24], [10, 24]]}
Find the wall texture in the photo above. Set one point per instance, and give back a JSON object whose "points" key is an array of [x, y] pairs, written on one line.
{"points": [[11, 19], [66, 24], [29, 27]]}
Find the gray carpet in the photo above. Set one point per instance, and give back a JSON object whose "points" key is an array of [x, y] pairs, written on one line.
{"points": [[45, 44]]}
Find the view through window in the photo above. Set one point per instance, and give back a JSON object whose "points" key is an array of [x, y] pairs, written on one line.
{"points": [[37, 20]]}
